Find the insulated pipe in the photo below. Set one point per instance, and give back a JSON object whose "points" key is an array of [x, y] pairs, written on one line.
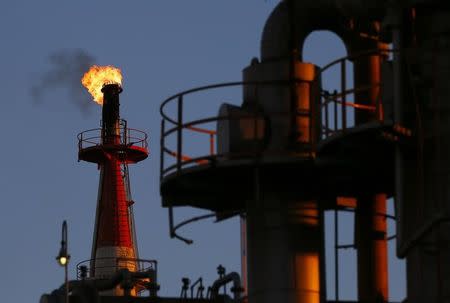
{"points": [[310, 16], [371, 244]]}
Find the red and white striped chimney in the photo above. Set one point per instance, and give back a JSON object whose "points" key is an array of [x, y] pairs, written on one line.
{"points": [[114, 246]]}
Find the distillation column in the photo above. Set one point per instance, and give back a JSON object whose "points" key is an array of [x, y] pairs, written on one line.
{"points": [[284, 235]]}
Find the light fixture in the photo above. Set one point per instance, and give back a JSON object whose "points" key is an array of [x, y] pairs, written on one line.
{"points": [[63, 257]]}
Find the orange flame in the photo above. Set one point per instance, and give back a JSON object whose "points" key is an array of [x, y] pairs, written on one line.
{"points": [[97, 77]]}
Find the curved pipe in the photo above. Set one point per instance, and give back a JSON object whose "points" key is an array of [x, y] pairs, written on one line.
{"points": [[304, 17], [231, 277]]}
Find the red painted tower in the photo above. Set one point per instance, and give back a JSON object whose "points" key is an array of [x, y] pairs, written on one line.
{"points": [[112, 148]]}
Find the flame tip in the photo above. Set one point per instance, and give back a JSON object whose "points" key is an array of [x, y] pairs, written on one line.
{"points": [[97, 77]]}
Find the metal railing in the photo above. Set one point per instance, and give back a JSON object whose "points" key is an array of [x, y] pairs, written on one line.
{"points": [[85, 271], [337, 105], [128, 136], [175, 123], [335, 109]]}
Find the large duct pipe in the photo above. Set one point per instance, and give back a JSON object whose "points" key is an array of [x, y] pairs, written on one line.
{"points": [[311, 16]]}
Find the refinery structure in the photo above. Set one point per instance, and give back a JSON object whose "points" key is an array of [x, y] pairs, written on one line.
{"points": [[289, 152]]}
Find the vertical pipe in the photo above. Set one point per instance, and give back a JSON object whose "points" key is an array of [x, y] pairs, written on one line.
{"points": [[371, 242], [336, 255], [367, 73], [211, 144], [335, 112], [171, 227], [372, 248], [66, 280], [243, 226], [327, 113]]}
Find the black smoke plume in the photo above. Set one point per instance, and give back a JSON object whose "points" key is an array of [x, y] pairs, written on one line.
{"points": [[66, 67]]}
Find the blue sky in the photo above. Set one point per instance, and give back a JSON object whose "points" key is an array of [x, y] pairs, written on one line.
{"points": [[162, 47]]}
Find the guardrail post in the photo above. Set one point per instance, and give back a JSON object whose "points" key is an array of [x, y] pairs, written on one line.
{"points": [[327, 113], [336, 254], [211, 142], [161, 151], [335, 101], [343, 96], [179, 132]]}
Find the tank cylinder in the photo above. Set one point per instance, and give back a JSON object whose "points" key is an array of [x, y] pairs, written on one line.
{"points": [[284, 236]]}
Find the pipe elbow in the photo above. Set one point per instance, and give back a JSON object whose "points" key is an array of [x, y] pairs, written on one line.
{"points": [[231, 277], [291, 22], [374, 9], [275, 29]]}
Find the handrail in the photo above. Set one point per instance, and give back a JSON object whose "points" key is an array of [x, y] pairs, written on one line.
{"points": [[218, 85], [328, 101], [334, 105], [177, 125], [128, 136], [359, 55], [143, 265]]}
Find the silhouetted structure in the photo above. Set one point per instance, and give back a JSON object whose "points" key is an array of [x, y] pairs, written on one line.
{"points": [[292, 151]]}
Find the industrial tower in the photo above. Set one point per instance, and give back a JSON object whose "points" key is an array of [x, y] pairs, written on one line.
{"points": [[290, 151], [112, 148]]}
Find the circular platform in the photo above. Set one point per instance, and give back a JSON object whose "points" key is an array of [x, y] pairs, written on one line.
{"points": [[97, 153], [357, 162], [130, 144]]}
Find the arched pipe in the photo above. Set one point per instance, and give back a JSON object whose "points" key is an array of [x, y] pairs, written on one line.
{"points": [[294, 21]]}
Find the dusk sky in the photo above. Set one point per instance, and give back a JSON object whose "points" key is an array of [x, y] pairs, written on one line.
{"points": [[162, 47]]}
